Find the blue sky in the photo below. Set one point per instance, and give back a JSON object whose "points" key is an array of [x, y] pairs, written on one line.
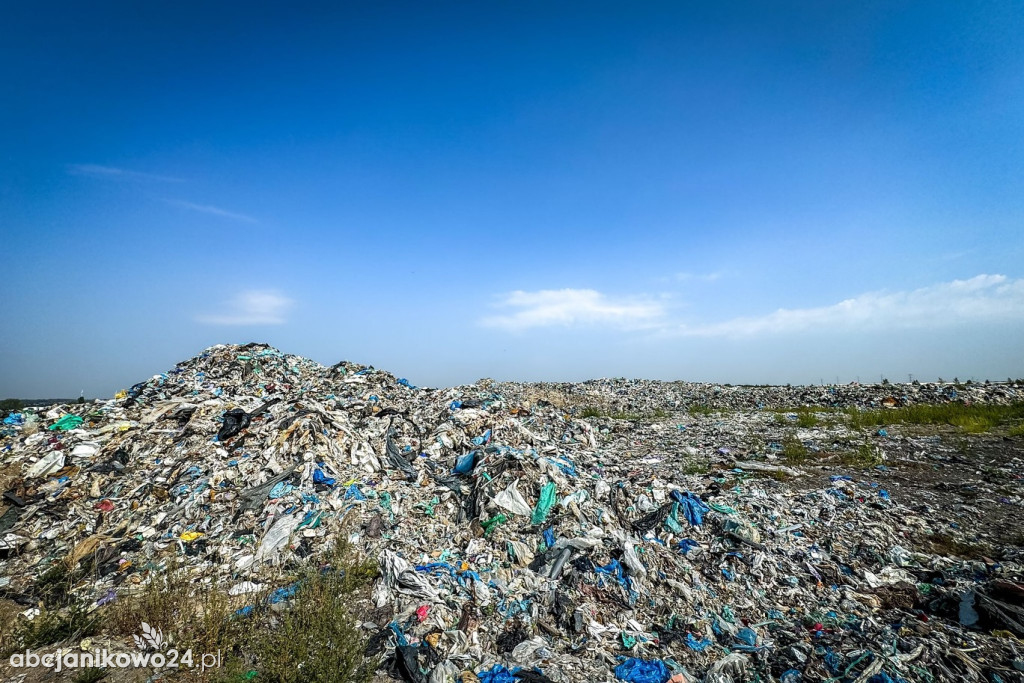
{"points": [[764, 192]]}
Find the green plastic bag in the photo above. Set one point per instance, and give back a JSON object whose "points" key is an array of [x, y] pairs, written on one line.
{"points": [[67, 422], [547, 499], [491, 524]]}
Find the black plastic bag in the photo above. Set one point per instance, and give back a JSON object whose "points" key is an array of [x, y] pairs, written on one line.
{"points": [[235, 420]]}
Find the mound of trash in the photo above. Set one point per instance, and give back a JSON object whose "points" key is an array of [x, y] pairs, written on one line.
{"points": [[518, 539]]}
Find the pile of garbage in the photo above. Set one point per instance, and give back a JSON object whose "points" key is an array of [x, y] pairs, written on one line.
{"points": [[517, 540]]}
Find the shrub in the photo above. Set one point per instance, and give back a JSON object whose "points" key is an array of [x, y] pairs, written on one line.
{"points": [[51, 627], [10, 405]]}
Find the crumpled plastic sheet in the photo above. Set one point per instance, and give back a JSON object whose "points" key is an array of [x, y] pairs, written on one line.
{"points": [[396, 459], [692, 507], [636, 670], [399, 576], [728, 669], [547, 499], [235, 420], [66, 423], [510, 499]]}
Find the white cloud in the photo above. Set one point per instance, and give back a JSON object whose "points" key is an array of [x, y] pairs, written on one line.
{"points": [[980, 299], [98, 171], [566, 307], [697, 277], [212, 210], [983, 298], [252, 307]]}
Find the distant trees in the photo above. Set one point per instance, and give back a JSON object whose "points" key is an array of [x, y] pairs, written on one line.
{"points": [[10, 405]]}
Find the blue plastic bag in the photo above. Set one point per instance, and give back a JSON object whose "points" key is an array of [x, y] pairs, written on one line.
{"points": [[643, 671], [464, 463], [353, 492], [697, 645], [497, 674], [747, 636], [280, 490], [692, 507], [613, 569], [687, 544], [320, 478]]}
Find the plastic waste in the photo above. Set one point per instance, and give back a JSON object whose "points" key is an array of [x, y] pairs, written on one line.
{"points": [[511, 500], [643, 671], [547, 499], [235, 420], [67, 422], [707, 549], [692, 507]]}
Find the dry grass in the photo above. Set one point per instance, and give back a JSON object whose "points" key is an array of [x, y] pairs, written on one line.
{"points": [[305, 633]]}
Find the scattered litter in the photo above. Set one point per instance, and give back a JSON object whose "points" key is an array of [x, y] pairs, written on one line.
{"points": [[544, 532]]}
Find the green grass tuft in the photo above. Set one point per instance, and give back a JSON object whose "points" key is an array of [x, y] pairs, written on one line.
{"points": [[90, 675], [807, 417], [51, 627], [973, 419], [695, 466], [794, 452], [864, 457], [807, 420], [317, 638]]}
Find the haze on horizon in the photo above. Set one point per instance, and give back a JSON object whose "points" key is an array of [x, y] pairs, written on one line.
{"points": [[752, 193]]}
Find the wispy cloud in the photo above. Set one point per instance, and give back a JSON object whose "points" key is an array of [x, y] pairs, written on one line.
{"points": [[212, 210], [98, 171], [983, 298], [567, 307], [980, 299], [696, 277], [252, 307]]}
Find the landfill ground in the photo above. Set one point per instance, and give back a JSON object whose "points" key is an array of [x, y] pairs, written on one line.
{"points": [[595, 531]]}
